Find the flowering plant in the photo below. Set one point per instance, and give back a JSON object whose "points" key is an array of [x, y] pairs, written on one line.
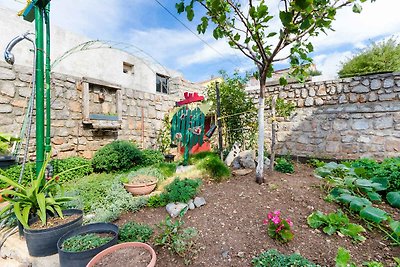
{"points": [[279, 228]]}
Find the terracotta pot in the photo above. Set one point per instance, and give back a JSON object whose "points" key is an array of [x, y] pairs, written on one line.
{"points": [[1, 192], [141, 189], [110, 250]]}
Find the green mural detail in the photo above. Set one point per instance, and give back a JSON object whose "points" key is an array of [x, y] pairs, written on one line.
{"points": [[187, 129]]}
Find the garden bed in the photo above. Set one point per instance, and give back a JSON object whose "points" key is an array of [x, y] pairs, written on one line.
{"points": [[231, 231]]}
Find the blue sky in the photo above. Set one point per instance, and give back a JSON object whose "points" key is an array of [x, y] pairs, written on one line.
{"points": [[145, 24]]}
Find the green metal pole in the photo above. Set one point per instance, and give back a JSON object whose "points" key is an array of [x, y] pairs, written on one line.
{"points": [[39, 89], [48, 69]]}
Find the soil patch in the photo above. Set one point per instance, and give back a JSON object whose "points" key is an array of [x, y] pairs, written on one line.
{"points": [[127, 257], [231, 230], [53, 222]]}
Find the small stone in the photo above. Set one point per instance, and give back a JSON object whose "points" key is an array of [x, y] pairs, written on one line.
{"points": [[360, 89], [240, 254], [175, 209], [247, 159], [387, 83], [225, 254], [191, 204], [375, 84], [199, 201], [241, 172], [236, 164]]}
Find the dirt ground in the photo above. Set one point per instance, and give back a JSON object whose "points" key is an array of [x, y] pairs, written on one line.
{"points": [[231, 231]]}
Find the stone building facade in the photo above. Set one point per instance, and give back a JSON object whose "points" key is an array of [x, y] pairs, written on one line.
{"points": [[77, 103], [342, 119]]}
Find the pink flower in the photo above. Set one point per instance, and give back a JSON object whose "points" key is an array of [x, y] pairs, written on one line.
{"points": [[270, 216], [265, 221], [279, 228], [277, 212], [289, 222], [276, 220]]}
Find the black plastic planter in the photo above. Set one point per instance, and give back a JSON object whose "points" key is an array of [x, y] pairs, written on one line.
{"points": [[81, 259], [43, 242], [6, 161]]}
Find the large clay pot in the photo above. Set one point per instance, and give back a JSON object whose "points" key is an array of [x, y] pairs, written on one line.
{"points": [[112, 249], [141, 189]]}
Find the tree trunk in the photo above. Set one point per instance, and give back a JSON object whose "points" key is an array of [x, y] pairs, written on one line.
{"points": [[273, 133], [260, 158]]}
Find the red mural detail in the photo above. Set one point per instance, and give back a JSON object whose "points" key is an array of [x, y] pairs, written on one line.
{"points": [[190, 98]]}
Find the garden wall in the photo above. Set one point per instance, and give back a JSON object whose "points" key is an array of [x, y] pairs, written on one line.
{"points": [[138, 115], [343, 119]]}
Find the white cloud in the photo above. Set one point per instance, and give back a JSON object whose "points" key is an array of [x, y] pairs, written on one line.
{"points": [[329, 64]]}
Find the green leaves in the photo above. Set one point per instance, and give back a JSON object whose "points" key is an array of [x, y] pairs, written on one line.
{"points": [[373, 214], [286, 18], [394, 199], [357, 8], [343, 258], [334, 222]]}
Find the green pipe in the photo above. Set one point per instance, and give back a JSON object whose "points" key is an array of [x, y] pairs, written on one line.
{"points": [[39, 89], [48, 70]]}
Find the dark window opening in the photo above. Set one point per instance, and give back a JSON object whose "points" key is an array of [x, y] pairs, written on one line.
{"points": [[128, 68], [162, 83]]}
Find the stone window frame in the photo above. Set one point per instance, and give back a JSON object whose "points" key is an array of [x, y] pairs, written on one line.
{"points": [[100, 124], [163, 81]]}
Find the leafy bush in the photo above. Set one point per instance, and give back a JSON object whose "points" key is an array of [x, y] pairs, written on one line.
{"points": [[177, 191], [14, 171], [151, 157], [116, 156], [336, 222], [278, 228], [273, 258], [85, 242], [379, 57], [176, 239], [284, 165], [167, 169], [182, 190], [90, 190], [196, 158], [389, 169], [214, 167], [134, 232], [61, 165]]}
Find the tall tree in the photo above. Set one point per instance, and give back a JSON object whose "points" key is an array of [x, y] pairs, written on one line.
{"points": [[267, 37]]}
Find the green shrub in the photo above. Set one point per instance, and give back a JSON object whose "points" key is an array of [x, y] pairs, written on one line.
{"points": [[379, 57], [116, 156], [91, 190], [389, 169], [167, 169], [134, 232], [151, 157], [61, 165], [14, 171], [85, 242], [284, 165], [273, 258], [156, 201], [196, 158], [214, 167], [369, 165], [104, 196], [182, 190]]}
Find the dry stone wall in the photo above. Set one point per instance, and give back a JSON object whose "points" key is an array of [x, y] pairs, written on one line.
{"points": [[342, 119], [142, 112]]}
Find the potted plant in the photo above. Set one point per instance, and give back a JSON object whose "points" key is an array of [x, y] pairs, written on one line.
{"points": [[77, 247], [140, 184], [130, 253], [6, 159], [39, 212]]}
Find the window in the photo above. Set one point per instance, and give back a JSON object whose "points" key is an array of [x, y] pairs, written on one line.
{"points": [[162, 83], [128, 68]]}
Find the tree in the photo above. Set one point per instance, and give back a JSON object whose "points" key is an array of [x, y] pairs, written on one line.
{"points": [[379, 57], [250, 28], [237, 109]]}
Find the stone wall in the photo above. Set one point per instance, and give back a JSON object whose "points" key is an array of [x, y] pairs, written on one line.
{"points": [[141, 112], [343, 119]]}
